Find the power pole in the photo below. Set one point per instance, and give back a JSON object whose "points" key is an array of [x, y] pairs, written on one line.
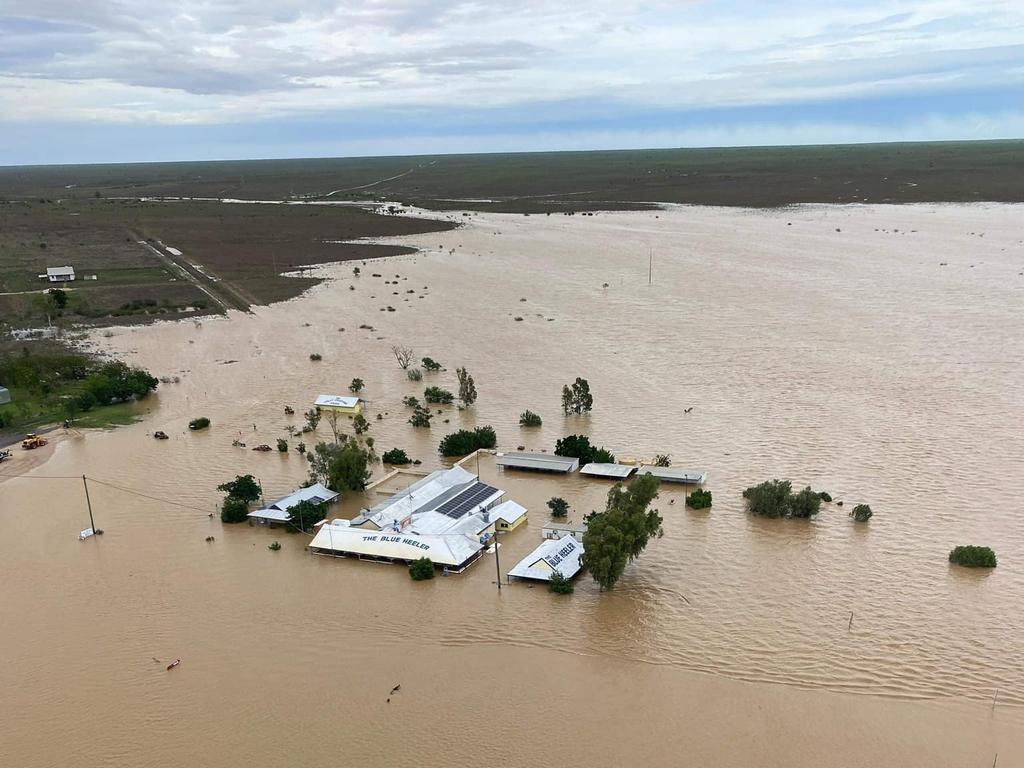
{"points": [[88, 503], [497, 560], [650, 266]]}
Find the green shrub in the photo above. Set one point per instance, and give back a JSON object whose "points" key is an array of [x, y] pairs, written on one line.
{"points": [[699, 499], [274, 546], [430, 364], [316, 357], [414, 374], [825, 496], [420, 417], [410, 401], [804, 504], [861, 513], [559, 507], [769, 499], [579, 447], [282, 445], [395, 456], [234, 510], [436, 395], [356, 385], [559, 584], [663, 460], [466, 441], [422, 569], [529, 419], [973, 557], [201, 423]]}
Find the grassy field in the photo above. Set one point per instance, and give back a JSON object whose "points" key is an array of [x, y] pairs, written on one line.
{"points": [[123, 243], [537, 182]]}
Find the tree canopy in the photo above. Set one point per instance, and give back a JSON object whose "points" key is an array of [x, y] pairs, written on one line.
{"points": [[340, 466], [971, 556], [422, 569], [395, 456], [436, 395], [774, 498], [577, 398], [529, 419], [621, 533], [304, 514], [243, 487], [559, 507], [465, 441], [579, 447], [467, 387], [234, 510]]}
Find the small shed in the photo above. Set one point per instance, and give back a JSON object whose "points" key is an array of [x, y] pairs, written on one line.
{"points": [[508, 515], [562, 555], [614, 471], [60, 274], [540, 462], [5, 395], [350, 406], [556, 530], [675, 474], [277, 512]]}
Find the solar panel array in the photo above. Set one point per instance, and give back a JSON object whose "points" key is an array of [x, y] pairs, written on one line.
{"points": [[459, 505]]}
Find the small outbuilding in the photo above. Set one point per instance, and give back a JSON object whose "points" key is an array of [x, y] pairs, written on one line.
{"points": [[562, 555], [350, 406], [556, 530], [613, 471], [59, 274], [5, 395], [540, 462], [675, 474], [277, 513]]}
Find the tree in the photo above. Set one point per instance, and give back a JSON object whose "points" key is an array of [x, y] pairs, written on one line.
{"points": [[58, 298], [577, 399], [414, 374], [861, 513], [410, 401], [529, 419], [699, 499], [340, 466], [559, 507], [316, 357], [804, 504], [769, 499], [438, 396], [304, 515], [234, 510], [466, 441], [243, 487], [422, 569], [201, 423], [282, 445], [395, 456], [621, 533], [420, 417], [360, 424], [312, 418], [355, 271], [430, 365], [404, 355], [559, 584], [973, 557], [334, 420], [579, 447], [356, 385], [467, 388], [663, 460]]}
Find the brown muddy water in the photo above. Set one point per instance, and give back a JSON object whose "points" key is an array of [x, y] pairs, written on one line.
{"points": [[874, 352]]}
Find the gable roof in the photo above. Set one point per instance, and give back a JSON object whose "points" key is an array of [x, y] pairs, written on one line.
{"points": [[562, 555], [336, 401], [278, 510]]}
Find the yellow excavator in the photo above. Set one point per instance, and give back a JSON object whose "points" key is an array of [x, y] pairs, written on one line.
{"points": [[33, 441]]}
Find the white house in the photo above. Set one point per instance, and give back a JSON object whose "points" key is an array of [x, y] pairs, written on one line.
{"points": [[562, 555], [277, 512], [59, 274]]}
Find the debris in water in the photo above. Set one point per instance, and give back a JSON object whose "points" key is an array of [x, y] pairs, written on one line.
{"points": [[173, 664]]}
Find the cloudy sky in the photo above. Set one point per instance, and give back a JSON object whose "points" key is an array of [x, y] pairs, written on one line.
{"points": [[122, 80]]}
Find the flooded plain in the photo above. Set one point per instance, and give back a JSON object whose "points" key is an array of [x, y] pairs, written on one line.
{"points": [[874, 352]]}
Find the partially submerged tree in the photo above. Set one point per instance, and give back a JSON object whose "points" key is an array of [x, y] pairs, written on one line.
{"points": [[438, 396], [410, 401], [579, 447], [404, 355], [335, 420], [529, 419], [243, 487], [304, 515], [973, 557], [467, 388], [465, 441], [861, 513], [430, 365], [420, 417], [414, 374], [196, 424], [313, 418], [621, 533], [395, 456], [340, 466], [774, 498], [559, 507], [234, 510], [282, 445], [356, 385], [577, 398], [559, 584], [663, 460], [360, 424], [699, 499], [422, 569]]}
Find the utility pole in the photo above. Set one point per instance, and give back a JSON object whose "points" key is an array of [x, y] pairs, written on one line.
{"points": [[497, 560], [650, 266], [88, 504]]}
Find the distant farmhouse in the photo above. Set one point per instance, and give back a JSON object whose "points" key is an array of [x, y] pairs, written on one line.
{"points": [[350, 406], [59, 274]]}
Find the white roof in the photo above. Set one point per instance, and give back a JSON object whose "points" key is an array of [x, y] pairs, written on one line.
{"points": [[607, 470], [423, 495], [508, 511], [59, 271], [675, 474], [336, 401], [278, 510], [453, 550], [543, 461], [562, 555], [554, 525]]}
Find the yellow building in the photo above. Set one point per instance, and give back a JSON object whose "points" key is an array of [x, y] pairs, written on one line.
{"points": [[350, 406]]}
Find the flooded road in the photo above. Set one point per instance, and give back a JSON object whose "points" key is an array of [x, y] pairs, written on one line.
{"points": [[873, 352]]}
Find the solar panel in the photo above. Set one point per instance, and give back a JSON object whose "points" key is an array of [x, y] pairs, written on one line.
{"points": [[457, 506]]}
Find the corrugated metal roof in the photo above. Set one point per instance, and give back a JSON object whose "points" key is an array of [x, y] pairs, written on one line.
{"points": [[278, 510], [675, 474], [541, 461], [620, 471], [562, 555], [452, 550], [567, 526], [59, 271]]}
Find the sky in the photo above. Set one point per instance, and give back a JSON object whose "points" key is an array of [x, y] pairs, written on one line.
{"points": [[139, 80]]}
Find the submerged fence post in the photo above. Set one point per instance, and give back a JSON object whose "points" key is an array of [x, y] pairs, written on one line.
{"points": [[994, 697], [88, 504], [850, 625]]}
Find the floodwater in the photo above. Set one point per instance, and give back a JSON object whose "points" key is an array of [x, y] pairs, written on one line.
{"points": [[874, 352]]}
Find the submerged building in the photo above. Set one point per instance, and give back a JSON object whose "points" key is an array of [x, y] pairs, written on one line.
{"points": [[561, 555], [447, 516], [350, 406], [277, 512]]}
